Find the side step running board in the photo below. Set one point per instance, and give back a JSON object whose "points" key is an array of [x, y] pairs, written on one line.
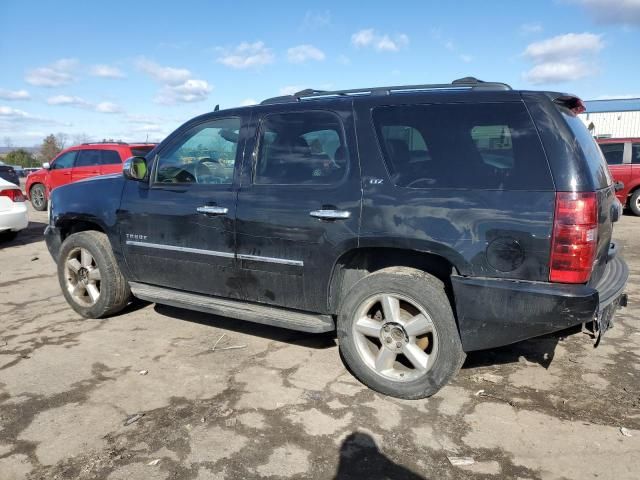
{"points": [[252, 312]]}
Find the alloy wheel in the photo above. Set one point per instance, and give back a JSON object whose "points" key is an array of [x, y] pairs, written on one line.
{"points": [[82, 277]]}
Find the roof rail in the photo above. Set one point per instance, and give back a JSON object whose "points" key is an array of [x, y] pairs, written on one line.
{"points": [[103, 142], [466, 83]]}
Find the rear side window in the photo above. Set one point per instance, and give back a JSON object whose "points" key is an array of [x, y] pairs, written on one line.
{"points": [[301, 148], [635, 153], [141, 151], [110, 157], [613, 152], [595, 159], [481, 146]]}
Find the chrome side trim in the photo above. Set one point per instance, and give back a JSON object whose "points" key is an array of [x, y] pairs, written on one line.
{"points": [[180, 249], [241, 256], [281, 261]]}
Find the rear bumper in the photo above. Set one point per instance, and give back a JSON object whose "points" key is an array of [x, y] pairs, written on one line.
{"points": [[53, 239], [15, 219], [495, 312]]}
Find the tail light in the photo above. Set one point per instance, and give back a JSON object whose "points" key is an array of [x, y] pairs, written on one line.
{"points": [[13, 193], [575, 237]]}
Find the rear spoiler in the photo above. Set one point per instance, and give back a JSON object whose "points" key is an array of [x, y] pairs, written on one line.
{"points": [[572, 103]]}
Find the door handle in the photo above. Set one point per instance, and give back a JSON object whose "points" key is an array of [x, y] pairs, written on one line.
{"points": [[212, 210], [330, 214]]}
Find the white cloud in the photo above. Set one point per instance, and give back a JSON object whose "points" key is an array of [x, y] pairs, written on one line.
{"points": [[564, 46], [315, 20], [302, 53], [291, 89], [57, 74], [247, 102], [621, 12], [68, 100], [192, 90], [108, 107], [246, 55], [106, 71], [466, 58], [530, 28], [562, 58], [165, 75], [12, 113], [14, 94], [178, 84], [369, 38]]}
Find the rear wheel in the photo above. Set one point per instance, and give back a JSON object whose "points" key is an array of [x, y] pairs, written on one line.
{"points": [[38, 197], [634, 202], [89, 276], [398, 334]]}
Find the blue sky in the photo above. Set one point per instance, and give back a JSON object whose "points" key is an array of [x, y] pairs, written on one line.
{"points": [[129, 70]]}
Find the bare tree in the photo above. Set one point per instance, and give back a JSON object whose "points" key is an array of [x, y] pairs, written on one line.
{"points": [[8, 142], [62, 139], [81, 138]]}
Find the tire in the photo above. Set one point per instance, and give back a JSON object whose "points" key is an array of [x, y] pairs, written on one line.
{"points": [[420, 296], [81, 254], [38, 197], [634, 202]]}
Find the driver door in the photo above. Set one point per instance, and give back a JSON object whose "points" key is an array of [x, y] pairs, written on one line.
{"points": [[178, 229]]}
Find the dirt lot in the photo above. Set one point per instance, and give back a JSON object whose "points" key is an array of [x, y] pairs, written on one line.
{"points": [[284, 405]]}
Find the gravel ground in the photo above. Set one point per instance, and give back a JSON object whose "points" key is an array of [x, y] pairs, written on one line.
{"points": [[284, 405]]}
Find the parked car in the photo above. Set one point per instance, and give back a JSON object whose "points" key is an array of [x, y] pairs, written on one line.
{"points": [[13, 210], [8, 173], [79, 162], [623, 157], [420, 222]]}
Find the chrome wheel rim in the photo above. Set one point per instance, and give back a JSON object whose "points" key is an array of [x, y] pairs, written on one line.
{"points": [[37, 196], [395, 337], [82, 277], [638, 202]]}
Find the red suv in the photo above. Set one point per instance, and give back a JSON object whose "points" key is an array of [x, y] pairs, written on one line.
{"points": [[82, 161], [623, 157]]}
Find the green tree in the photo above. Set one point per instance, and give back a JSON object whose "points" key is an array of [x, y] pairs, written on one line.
{"points": [[50, 148], [20, 157]]}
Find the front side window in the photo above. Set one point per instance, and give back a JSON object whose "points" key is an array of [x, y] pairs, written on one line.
{"points": [[481, 146], [301, 148], [65, 160], [613, 152], [206, 154], [635, 153]]}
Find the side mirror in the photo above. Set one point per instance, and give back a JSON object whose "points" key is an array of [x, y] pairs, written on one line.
{"points": [[618, 186], [135, 168], [46, 165]]}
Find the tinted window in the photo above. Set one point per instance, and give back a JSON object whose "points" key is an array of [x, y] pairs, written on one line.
{"points": [[206, 154], [595, 160], [613, 152], [141, 151], [110, 157], [89, 158], [635, 153], [484, 146], [301, 148], [64, 161]]}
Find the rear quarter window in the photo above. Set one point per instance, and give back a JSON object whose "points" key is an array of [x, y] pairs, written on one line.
{"points": [[141, 151], [476, 146]]}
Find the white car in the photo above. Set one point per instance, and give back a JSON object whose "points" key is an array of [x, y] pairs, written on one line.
{"points": [[13, 210]]}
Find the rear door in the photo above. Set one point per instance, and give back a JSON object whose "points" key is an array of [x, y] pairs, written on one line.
{"points": [[298, 205], [111, 162], [87, 164], [61, 169]]}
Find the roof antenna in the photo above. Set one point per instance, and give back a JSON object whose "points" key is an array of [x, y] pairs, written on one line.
{"points": [[217, 108]]}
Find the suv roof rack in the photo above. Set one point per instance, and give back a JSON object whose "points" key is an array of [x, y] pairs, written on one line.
{"points": [[105, 142], [466, 83]]}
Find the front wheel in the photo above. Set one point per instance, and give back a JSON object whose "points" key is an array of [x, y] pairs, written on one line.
{"points": [[634, 202], [398, 334], [89, 275], [38, 197]]}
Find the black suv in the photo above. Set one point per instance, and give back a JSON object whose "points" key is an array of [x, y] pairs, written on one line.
{"points": [[420, 222]]}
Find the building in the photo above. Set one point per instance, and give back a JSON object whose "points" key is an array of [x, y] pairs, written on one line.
{"points": [[613, 118]]}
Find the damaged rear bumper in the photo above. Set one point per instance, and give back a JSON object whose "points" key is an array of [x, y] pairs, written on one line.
{"points": [[494, 312]]}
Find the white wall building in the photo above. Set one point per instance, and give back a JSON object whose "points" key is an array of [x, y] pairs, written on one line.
{"points": [[613, 118]]}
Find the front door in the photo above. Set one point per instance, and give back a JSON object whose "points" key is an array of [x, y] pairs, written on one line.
{"points": [[177, 230], [298, 205], [87, 164], [60, 170]]}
